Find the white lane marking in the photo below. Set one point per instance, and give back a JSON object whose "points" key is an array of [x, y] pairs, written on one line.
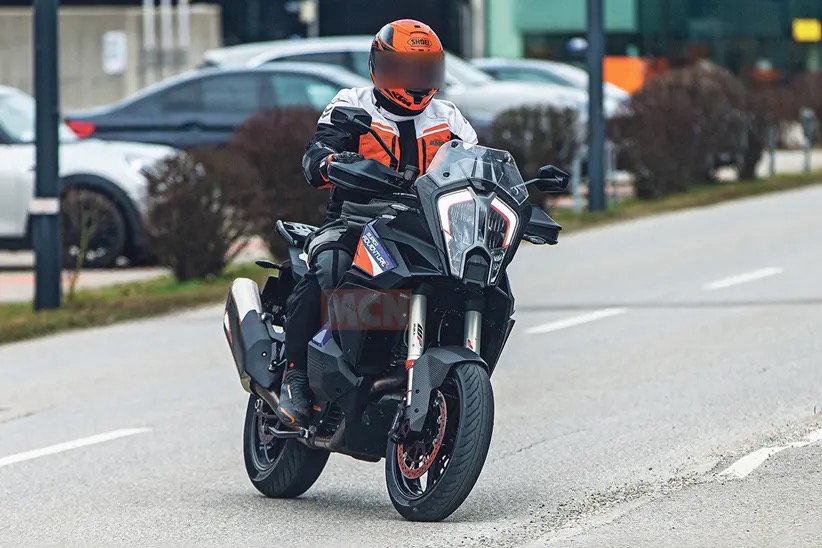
{"points": [[576, 320], [69, 445], [752, 461], [744, 278]]}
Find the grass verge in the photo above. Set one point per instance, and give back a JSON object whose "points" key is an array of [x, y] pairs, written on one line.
{"points": [[698, 196], [105, 306], [108, 305]]}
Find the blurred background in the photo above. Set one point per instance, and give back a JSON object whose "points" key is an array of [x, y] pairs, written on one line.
{"points": [[754, 39]]}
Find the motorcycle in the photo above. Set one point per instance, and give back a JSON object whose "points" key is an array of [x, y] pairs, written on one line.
{"points": [[408, 379]]}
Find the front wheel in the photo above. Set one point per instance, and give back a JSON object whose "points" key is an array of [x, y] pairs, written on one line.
{"points": [[278, 468], [430, 474]]}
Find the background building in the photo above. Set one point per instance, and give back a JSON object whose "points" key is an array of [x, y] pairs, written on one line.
{"points": [[753, 38]]}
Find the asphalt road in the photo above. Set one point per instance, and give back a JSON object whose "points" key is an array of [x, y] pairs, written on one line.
{"points": [[648, 358]]}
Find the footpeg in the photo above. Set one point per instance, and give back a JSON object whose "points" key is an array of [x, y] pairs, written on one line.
{"points": [[288, 434]]}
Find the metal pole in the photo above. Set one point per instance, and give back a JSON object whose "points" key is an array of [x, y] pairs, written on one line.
{"points": [[45, 208], [184, 31], [772, 150], [596, 118], [166, 35], [149, 42]]}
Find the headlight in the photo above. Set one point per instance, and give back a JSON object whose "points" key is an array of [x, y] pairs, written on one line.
{"points": [[458, 220], [137, 163], [458, 212]]}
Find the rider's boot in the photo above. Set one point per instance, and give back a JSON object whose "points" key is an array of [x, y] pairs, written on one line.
{"points": [[295, 398]]}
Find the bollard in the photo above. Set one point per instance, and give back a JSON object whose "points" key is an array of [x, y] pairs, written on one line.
{"points": [[772, 150], [808, 124]]}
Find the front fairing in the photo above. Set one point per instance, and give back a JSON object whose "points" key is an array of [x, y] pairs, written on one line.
{"points": [[475, 202], [472, 251]]}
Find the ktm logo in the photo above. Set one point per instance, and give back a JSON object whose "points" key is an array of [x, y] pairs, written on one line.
{"points": [[419, 42], [400, 98], [436, 142]]}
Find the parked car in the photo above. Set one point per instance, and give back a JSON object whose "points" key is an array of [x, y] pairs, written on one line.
{"points": [[549, 72], [102, 187], [204, 107], [477, 95]]}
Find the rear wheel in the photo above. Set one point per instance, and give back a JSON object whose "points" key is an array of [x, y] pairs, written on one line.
{"points": [[429, 475], [93, 229], [278, 468]]}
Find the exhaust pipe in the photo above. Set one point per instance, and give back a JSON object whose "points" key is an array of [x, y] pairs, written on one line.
{"points": [[268, 396], [386, 383]]}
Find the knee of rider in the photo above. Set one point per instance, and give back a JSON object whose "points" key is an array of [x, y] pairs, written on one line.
{"points": [[330, 266]]}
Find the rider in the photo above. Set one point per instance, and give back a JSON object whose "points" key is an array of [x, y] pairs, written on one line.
{"points": [[407, 65]]}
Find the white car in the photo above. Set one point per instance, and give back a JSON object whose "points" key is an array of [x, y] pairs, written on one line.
{"points": [[477, 95], [549, 72], [102, 179]]}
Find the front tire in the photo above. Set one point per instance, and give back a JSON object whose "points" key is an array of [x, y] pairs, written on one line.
{"points": [[278, 468], [458, 458]]}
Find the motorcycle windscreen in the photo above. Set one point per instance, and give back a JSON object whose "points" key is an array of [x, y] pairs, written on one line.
{"points": [[401, 70]]}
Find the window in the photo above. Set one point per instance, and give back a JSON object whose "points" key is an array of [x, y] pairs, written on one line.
{"points": [[187, 97], [339, 58], [523, 75], [232, 93], [237, 93], [360, 59], [17, 119], [293, 89]]}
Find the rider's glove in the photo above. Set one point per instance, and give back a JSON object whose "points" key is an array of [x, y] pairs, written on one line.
{"points": [[339, 157]]}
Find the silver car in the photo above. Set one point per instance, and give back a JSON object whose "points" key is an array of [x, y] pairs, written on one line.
{"points": [[104, 175], [549, 72], [477, 95]]}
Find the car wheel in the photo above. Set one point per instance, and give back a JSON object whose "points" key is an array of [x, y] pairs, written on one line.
{"points": [[93, 229]]}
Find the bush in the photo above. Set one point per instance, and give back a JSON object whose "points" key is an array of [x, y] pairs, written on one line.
{"points": [[196, 210], [537, 136], [273, 142], [678, 125]]}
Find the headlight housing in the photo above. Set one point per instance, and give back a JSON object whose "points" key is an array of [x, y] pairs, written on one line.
{"points": [[471, 225], [458, 220]]}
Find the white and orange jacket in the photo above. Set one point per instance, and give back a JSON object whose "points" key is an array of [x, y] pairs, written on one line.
{"points": [[414, 140]]}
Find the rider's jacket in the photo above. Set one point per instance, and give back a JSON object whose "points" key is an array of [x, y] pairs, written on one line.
{"points": [[412, 139]]}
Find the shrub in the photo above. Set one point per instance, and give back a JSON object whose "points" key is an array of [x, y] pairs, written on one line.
{"points": [[537, 136], [273, 142], [678, 125], [196, 210]]}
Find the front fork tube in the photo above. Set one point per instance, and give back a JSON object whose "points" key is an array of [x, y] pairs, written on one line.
{"points": [[416, 332], [473, 328], [416, 336]]}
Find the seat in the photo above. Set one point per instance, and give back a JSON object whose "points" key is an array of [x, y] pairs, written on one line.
{"points": [[295, 233]]}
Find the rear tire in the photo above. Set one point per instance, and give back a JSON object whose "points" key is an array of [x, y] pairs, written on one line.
{"points": [[462, 452], [91, 223], [278, 468]]}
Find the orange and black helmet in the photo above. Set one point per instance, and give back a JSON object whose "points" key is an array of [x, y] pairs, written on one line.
{"points": [[407, 64]]}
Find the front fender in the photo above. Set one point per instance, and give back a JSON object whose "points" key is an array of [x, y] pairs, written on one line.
{"points": [[429, 372]]}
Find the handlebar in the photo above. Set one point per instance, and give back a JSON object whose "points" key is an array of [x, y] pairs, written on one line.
{"points": [[371, 177]]}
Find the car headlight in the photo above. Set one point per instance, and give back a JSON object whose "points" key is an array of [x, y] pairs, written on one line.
{"points": [[138, 164]]}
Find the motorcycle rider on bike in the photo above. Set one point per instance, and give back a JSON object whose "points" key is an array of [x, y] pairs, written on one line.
{"points": [[407, 65]]}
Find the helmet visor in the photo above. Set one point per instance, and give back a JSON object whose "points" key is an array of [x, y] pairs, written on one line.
{"points": [[402, 70]]}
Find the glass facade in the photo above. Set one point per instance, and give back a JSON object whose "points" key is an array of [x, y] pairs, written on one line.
{"points": [[752, 38]]}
